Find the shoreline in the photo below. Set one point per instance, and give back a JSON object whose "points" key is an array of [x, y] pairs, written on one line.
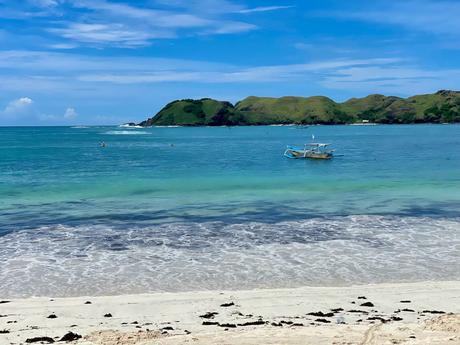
{"points": [[326, 315], [245, 291], [370, 124]]}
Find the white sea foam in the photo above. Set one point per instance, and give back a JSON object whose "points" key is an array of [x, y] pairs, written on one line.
{"points": [[130, 126], [126, 132], [84, 260]]}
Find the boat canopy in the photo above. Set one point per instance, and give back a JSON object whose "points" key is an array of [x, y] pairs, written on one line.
{"points": [[318, 144]]}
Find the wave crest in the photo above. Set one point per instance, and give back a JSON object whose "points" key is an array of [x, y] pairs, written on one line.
{"points": [[131, 132]]}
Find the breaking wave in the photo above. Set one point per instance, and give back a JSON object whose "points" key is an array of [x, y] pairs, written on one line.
{"points": [[131, 132], [88, 260]]}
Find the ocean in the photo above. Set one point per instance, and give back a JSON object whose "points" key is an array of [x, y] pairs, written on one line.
{"points": [[184, 209]]}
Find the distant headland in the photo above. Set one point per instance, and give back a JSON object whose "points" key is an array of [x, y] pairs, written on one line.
{"points": [[440, 107]]}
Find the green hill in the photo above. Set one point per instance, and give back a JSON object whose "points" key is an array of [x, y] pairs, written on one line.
{"points": [[285, 110], [189, 112], [443, 106]]}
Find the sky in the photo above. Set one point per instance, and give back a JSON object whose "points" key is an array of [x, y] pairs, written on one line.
{"points": [[68, 62]]}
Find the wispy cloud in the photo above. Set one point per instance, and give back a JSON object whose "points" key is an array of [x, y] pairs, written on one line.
{"points": [[235, 74], [152, 17], [45, 3], [208, 7], [264, 9], [147, 77], [60, 72], [106, 23], [63, 63], [116, 34], [394, 79], [295, 72], [63, 46], [421, 15], [109, 23], [233, 27], [220, 6], [43, 72]]}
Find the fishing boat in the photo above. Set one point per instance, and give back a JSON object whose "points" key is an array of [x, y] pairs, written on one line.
{"points": [[311, 151]]}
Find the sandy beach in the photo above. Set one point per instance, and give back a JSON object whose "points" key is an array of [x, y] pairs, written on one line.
{"points": [[409, 313]]}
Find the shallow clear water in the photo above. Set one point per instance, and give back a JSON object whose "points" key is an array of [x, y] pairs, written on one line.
{"points": [[169, 209]]}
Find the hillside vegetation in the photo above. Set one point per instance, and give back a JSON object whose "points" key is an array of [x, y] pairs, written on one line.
{"points": [[441, 107]]}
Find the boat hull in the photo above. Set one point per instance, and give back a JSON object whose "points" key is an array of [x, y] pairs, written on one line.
{"points": [[301, 154]]}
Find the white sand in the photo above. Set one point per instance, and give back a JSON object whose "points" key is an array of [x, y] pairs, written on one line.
{"points": [[182, 311]]}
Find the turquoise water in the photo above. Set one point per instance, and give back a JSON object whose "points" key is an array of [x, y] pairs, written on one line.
{"points": [[197, 208]]}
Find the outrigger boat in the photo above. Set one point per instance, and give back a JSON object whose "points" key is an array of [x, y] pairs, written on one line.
{"points": [[312, 151]]}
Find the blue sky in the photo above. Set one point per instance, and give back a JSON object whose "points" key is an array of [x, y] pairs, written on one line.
{"points": [[65, 62]]}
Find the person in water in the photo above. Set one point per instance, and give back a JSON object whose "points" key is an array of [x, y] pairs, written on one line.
{"points": [[102, 144]]}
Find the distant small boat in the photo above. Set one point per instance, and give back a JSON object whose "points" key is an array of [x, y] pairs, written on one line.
{"points": [[311, 151]]}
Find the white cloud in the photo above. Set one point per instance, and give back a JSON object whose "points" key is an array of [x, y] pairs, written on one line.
{"points": [[17, 107], [102, 23], [264, 9], [149, 77], [234, 74], [204, 6], [120, 24], [70, 114], [117, 34], [65, 73], [60, 64], [233, 27], [45, 3], [392, 79], [22, 108], [219, 6], [63, 46], [152, 17]]}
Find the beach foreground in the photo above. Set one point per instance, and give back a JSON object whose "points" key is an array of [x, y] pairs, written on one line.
{"points": [[409, 313]]}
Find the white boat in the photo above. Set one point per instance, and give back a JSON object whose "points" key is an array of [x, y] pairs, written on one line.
{"points": [[311, 151]]}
